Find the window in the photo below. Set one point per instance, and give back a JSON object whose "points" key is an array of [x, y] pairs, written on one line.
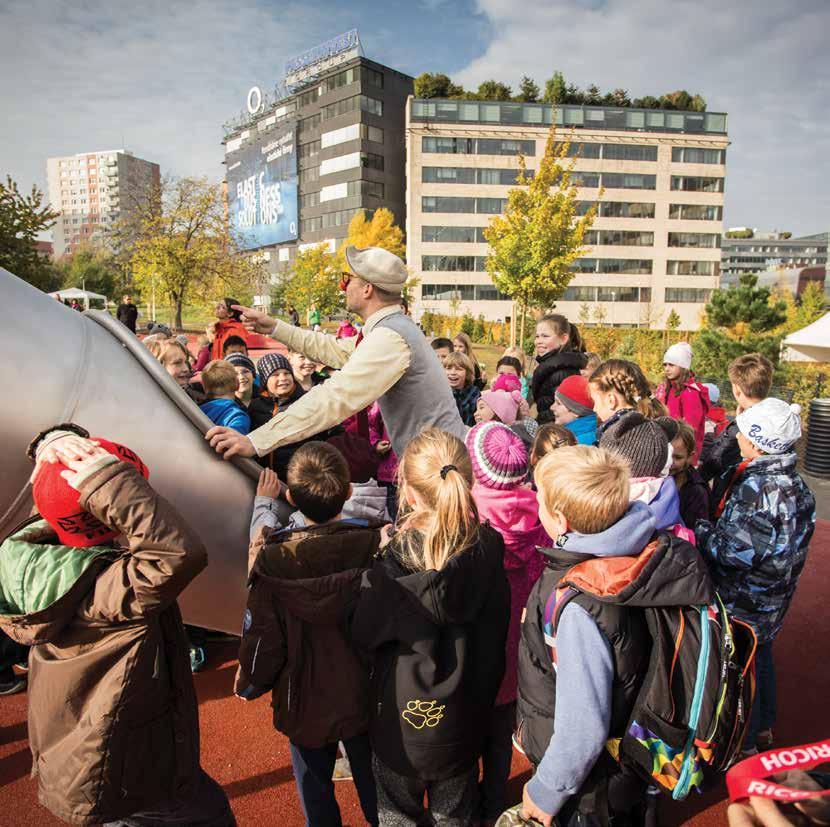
{"points": [[309, 97], [585, 179], [469, 175], [453, 235], [620, 238], [698, 155], [341, 107], [371, 160], [480, 146], [706, 240], [308, 124], [629, 152], [695, 212], [486, 292], [371, 133], [372, 77], [464, 292], [311, 225], [684, 295], [584, 150], [433, 203], [449, 146], [624, 180], [607, 294], [371, 105], [309, 199], [461, 264], [340, 136], [493, 206], [692, 268], [337, 81], [349, 189], [309, 150], [625, 209], [693, 183], [631, 266], [340, 163], [338, 218], [580, 294]]}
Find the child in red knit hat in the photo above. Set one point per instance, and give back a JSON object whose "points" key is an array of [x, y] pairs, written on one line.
{"points": [[105, 631], [573, 407]]}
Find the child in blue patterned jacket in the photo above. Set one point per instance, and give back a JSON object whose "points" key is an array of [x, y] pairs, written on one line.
{"points": [[758, 546]]}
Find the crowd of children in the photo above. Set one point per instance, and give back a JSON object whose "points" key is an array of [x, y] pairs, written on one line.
{"points": [[432, 615]]}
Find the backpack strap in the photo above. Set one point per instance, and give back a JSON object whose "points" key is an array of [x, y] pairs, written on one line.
{"points": [[555, 605]]}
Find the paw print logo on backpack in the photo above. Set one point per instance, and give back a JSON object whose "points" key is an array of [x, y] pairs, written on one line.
{"points": [[419, 714]]}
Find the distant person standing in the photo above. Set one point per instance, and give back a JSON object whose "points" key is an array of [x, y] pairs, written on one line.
{"points": [[227, 324], [314, 319], [293, 316], [127, 313]]}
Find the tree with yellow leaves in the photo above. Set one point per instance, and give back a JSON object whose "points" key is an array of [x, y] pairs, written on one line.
{"points": [[314, 282], [539, 236], [179, 244], [379, 231]]}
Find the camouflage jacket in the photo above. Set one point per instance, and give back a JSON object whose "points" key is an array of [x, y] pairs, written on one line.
{"points": [[757, 549]]}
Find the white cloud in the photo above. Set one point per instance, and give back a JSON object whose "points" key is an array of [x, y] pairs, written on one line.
{"points": [[766, 65]]}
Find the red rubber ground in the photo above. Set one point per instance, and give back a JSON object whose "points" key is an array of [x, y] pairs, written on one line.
{"points": [[243, 752]]}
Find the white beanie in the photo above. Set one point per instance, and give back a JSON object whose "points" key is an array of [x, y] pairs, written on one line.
{"points": [[679, 354], [771, 425]]}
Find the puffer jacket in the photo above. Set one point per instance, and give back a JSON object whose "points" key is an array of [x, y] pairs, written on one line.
{"points": [[690, 403], [113, 721], [758, 547], [551, 370]]}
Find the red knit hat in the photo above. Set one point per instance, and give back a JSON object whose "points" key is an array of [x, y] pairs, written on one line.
{"points": [[573, 394], [58, 502]]}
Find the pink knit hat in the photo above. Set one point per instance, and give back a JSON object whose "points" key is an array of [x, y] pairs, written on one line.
{"points": [[506, 382], [505, 404], [499, 456]]}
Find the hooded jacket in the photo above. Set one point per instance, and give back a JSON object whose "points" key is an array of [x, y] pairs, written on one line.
{"points": [[293, 641], [690, 403], [515, 515], [228, 413], [584, 429], [613, 575], [262, 409], [551, 369], [437, 640], [113, 721]]}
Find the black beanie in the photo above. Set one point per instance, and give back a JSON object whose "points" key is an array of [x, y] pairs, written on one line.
{"points": [[643, 442]]}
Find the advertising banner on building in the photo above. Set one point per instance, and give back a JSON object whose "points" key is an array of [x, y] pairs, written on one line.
{"points": [[262, 189]]}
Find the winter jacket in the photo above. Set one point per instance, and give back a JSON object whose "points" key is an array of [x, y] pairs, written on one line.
{"points": [[551, 370], [602, 427], [718, 464], [113, 721], [694, 498], [466, 399], [690, 403], [202, 359], [225, 328], [127, 314], [584, 429], [388, 465], [346, 330], [263, 409], [660, 495], [607, 578], [228, 413], [437, 640], [758, 547], [515, 515], [293, 640]]}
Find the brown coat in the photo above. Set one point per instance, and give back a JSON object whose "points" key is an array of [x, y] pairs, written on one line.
{"points": [[293, 638], [113, 721]]}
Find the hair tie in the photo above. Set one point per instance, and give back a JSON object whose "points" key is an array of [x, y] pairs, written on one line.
{"points": [[446, 470]]}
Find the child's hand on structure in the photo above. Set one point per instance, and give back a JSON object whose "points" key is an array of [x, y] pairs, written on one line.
{"points": [[383, 447], [80, 469], [269, 484]]}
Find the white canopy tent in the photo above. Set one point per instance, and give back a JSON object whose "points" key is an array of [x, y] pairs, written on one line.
{"points": [[811, 343], [76, 293]]}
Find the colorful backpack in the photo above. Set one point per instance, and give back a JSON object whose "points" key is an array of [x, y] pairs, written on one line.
{"points": [[692, 712]]}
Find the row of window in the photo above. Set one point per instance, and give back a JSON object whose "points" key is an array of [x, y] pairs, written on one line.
{"points": [[696, 183], [340, 218], [619, 238], [698, 155], [352, 160], [341, 79], [347, 189], [438, 203], [450, 264], [613, 152], [708, 240], [352, 132], [82, 162], [693, 268], [478, 146], [617, 209], [614, 180], [484, 292], [341, 107], [462, 292], [630, 266], [470, 175], [607, 294]]}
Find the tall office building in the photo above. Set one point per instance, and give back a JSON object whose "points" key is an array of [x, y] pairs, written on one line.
{"points": [[654, 245], [330, 144], [91, 190], [770, 251]]}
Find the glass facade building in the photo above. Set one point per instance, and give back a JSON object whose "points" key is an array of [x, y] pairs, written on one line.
{"points": [[657, 178]]}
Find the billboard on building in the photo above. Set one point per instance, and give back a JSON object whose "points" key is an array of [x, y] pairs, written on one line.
{"points": [[262, 188]]}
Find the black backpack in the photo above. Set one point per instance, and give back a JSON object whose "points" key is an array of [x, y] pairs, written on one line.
{"points": [[692, 712]]}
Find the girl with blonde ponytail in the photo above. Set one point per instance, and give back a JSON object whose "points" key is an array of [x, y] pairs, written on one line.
{"points": [[433, 613]]}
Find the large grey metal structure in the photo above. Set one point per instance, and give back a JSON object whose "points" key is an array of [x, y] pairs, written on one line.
{"points": [[63, 366]]}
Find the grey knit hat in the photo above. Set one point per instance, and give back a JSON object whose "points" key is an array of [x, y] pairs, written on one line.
{"points": [[641, 441], [268, 364], [240, 360]]}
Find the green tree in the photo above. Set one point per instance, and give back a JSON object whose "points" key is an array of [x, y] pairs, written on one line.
{"points": [[528, 91], [555, 89], [593, 96], [428, 85], [314, 279], [673, 321], [91, 268], [480, 330], [744, 233], [647, 102], [493, 90], [809, 308], [468, 324], [539, 236], [22, 219], [180, 246], [739, 320], [619, 97]]}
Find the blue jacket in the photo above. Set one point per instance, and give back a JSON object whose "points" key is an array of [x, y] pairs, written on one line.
{"points": [[227, 413], [584, 429], [757, 549]]}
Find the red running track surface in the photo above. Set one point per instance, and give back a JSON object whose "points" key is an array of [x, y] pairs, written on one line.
{"points": [[250, 759]]}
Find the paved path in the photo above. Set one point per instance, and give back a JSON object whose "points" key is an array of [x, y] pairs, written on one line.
{"points": [[243, 752]]}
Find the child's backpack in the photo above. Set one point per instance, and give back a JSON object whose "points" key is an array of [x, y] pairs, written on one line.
{"points": [[692, 712]]}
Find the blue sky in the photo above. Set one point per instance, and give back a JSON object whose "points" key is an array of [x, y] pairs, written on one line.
{"points": [[159, 78]]}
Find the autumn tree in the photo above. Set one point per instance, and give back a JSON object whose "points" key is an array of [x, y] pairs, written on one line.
{"points": [[91, 267], [555, 89], [22, 218], [539, 236], [528, 91], [181, 246], [378, 231], [313, 281]]}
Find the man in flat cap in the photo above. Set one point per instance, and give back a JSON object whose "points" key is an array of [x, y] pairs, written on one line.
{"points": [[393, 364]]}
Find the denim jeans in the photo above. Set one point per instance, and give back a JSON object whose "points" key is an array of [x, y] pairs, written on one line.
{"points": [[312, 771], [764, 707]]}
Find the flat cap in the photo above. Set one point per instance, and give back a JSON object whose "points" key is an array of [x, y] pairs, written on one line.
{"points": [[377, 266]]}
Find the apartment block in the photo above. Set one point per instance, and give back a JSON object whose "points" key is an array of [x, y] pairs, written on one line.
{"points": [[655, 243], [92, 190], [770, 251]]}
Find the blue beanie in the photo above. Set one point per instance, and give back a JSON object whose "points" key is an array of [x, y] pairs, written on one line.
{"points": [[270, 363]]}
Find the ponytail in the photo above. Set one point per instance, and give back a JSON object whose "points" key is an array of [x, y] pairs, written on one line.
{"points": [[562, 326], [626, 379], [437, 467]]}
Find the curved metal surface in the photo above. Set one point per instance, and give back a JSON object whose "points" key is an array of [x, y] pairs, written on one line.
{"points": [[60, 365]]}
